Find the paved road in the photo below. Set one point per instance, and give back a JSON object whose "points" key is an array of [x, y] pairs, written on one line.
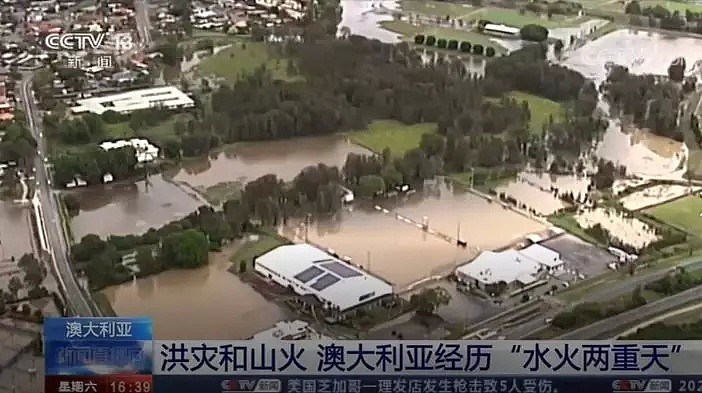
{"points": [[58, 244], [143, 22], [610, 327], [601, 294]]}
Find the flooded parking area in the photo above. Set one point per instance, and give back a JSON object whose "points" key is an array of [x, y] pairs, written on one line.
{"points": [[580, 256], [15, 230], [655, 195], [543, 192], [284, 158], [628, 230], [133, 208], [193, 304]]}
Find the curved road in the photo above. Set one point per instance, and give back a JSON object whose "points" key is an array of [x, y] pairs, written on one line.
{"points": [[77, 300], [610, 327]]}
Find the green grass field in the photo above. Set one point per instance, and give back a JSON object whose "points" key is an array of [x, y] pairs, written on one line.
{"points": [[512, 17], [118, 130], [437, 8], [164, 131], [253, 249], [683, 213], [399, 137], [541, 108], [672, 6], [239, 59]]}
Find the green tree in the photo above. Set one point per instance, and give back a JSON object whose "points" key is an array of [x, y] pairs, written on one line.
{"points": [[186, 249], [14, 286], [429, 300], [34, 272], [370, 185], [633, 7], [533, 32]]}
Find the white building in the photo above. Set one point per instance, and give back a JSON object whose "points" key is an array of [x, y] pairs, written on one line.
{"points": [[145, 151], [168, 97], [502, 30], [511, 267], [307, 270], [288, 330]]}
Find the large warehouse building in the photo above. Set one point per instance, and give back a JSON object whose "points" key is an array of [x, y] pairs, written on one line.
{"points": [[514, 268], [168, 97], [311, 272]]}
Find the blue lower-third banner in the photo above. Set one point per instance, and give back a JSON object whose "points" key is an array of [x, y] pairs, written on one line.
{"points": [[431, 384]]}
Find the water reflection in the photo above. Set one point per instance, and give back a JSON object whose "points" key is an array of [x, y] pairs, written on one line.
{"points": [[628, 230], [285, 158], [15, 232], [193, 304], [130, 208]]}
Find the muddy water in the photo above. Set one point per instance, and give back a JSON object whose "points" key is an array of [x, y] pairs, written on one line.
{"points": [[402, 253], [628, 230], [131, 208], [361, 18], [535, 190], [15, 230], [195, 304], [285, 158], [642, 52]]}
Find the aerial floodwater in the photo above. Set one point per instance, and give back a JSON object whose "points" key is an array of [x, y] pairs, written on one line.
{"points": [[362, 17], [643, 52], [192, 304], [285, 158], [14, 230], [130, 208]]}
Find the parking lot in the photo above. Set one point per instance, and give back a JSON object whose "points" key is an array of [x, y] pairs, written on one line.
{"points": [[579, 257]]}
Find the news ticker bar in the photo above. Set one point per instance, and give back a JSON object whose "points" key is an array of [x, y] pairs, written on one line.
{"points": [[99, 384], [371, 384]]}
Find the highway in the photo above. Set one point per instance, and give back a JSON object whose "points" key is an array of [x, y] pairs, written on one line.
{"points": [[143, 22], [610, 327], [77, 302], [605, 293]]}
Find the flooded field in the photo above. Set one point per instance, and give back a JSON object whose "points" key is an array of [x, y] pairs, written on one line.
{"points": [[15, 230], [401, 252], [131, 208], [541, 191], [655, 195], [360, 18], [194, 304], [631, 231], [643, 52], [285, 158]]}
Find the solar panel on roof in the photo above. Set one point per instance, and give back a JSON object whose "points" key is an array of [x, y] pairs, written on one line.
{"points": [[325, 281], [342, 270], [308, 274]]}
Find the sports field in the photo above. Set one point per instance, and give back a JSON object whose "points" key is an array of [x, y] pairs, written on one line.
{"points": [[398, 137], [684, 213]]}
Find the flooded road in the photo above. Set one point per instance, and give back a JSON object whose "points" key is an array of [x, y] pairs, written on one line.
{"points": [[15, 230], [131, 208], [403, 253], [194, 304], [285, 158]]}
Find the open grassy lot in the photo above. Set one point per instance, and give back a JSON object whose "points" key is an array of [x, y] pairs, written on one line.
{"points": [[437, 8], [512, 17], [162, 132], [241, 58], [118, 131], [672, 6], [683, 213], [401, 27], [541, 109], [252, 249], [398, 137]]}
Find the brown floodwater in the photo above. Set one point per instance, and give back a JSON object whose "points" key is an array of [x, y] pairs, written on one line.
{"points": [[204, 303], [402, 253], [131, 208], [15, 230], [285, 158]]}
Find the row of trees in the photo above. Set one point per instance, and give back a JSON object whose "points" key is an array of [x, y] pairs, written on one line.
{"points": [[92, 163], [587, 313], [17, 144], [659, 16], [463, 46]]}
